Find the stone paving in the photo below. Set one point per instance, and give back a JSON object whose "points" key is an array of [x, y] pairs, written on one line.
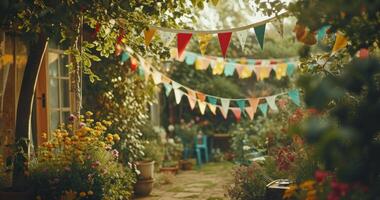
{"points": [[206, 183]]}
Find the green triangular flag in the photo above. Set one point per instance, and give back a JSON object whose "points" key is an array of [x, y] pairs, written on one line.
{"points": [[260, 33], [168, 88], [211, 100], [124, 57], [264, 108], [241, 104], [141, 71], [295, 97]]}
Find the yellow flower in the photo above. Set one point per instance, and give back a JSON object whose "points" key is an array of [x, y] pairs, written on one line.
{"points": [[289, 192], [44, 136], [311, 195], [109, 137], [102, 144], [307, 185], [90, 192], [82, 194], [89, 113], [116, 137]]}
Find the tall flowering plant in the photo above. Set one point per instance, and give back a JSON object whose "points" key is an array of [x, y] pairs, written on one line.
{"points": [[81, 164]]}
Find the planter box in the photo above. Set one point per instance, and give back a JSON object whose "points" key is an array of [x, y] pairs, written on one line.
{"points": [[186, 164], [275, 189]]}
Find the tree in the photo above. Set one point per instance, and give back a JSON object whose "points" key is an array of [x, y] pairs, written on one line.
{"points": [[68, 22]]}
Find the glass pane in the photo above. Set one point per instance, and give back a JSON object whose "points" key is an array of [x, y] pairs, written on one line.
{"points": [[53, 64], [53, 93], [63, 61], [54, 120], [65, 96], [65, 117]]}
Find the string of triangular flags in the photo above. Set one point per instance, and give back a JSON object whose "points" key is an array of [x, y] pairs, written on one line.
{"points": [[204, 36], [248, 105], [245, 68]]}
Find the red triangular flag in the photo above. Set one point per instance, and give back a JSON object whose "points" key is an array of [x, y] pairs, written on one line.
{"points": [[224, 41], [182, 40], [237, 113]]}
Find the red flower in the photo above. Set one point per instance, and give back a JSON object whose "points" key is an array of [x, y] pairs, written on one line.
{"points": [[320, 175], [333, 196], [340, 188]]}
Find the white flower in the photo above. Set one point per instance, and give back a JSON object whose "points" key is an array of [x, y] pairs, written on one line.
{"points": [[171, 128], [245, 147]]}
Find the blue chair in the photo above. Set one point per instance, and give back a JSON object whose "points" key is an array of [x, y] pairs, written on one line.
{"points": [[199, 145]]}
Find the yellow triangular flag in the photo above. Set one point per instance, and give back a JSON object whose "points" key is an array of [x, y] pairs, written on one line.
{"points": [[149, 35], [245, 72], [340, 42], [281, 70], [201, 63], [218, 68], [262, 72], [202, 106], [212, 108], [203, 39]]}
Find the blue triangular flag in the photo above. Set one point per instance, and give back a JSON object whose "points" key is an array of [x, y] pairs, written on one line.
{"points": [[322, 32], [290, 69], [211, 100], [124, 56], [260, 33], [229, 69], [190, 58], [264, 108], [295, 96], [168, 88], [241, 104]]}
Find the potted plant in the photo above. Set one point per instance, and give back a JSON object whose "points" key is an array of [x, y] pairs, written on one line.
{"points": [[173, 153]]}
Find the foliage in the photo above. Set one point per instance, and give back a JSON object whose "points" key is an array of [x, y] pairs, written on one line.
{"points": [[173, 153], [81, 164], [345, 140], [123, 97], [186, 132]]}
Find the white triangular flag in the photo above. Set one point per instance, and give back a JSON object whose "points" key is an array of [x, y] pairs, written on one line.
{"points": [[225, 104], [166, 37], [176, 85], [202, 106], [242, 36], [156, 77], [178, 95], [271, 100]]}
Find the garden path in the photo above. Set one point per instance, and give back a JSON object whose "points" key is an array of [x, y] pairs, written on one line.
{"points": [[207, 183]]}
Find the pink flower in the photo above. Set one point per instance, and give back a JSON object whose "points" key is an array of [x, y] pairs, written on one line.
{"points": [[72, 118], [320, 175]]}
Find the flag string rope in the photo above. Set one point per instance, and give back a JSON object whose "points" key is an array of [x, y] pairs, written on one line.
{"points": [[268, 19], [151, 69]]}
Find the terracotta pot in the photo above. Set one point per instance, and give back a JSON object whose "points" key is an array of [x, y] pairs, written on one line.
{"points": [[185, 165], [146, 169], [170, 170], [143, 187], [25, 195]]}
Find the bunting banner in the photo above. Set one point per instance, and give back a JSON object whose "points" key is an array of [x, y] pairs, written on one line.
{"points": [[340, 42], [244, 68], [248, 105], [224, 35]]}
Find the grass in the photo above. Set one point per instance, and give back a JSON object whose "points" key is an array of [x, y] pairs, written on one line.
{"points": [[214, 198], [177, 189]]}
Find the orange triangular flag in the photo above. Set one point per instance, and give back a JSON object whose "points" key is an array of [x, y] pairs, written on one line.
{"points": [[237, 113], [192, 101], [251, 112], [340, 42], [254, 102], [201, 96], [149, 35], [212, 108]]}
